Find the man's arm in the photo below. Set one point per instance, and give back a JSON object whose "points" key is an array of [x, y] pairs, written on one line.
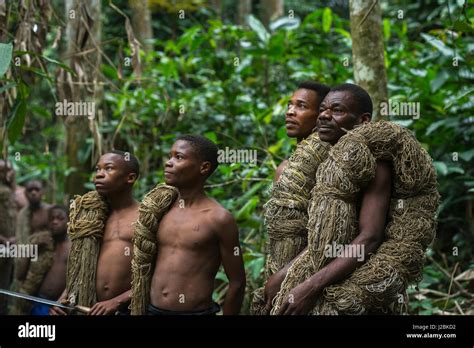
{"points": [[273, 284], [231, 257], [279, 170], [373, 213], [109, 307], [56, 310]]}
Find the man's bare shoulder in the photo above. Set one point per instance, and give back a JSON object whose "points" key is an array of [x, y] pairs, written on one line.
{"points": [[220, 216]]}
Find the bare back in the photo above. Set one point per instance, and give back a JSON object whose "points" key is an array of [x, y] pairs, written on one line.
{"points": [[114, 264], [188, 257]]}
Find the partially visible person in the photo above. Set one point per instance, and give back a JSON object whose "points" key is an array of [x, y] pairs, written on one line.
{"points": [[54, 281], [7, 231], [32, 218], [302, 114], [103, 280]]}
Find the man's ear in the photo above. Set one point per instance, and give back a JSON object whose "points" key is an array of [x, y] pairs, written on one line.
{"points": [[365, 118], [132, 177], [205, 168]]}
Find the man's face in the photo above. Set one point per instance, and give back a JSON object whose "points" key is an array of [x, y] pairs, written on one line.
{"points": [[184, 168], [302, 113], [57, 222], [111, 174], [336, 113], [34, 192]]}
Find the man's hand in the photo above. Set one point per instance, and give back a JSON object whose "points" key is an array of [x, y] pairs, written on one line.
{"points": [[56, 310], [272, 287], [301, 299], [108, 307]]}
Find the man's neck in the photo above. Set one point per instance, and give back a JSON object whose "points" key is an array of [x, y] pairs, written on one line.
{"points": [[192, 195], [59, 239], [121, 200], [35, 207]]}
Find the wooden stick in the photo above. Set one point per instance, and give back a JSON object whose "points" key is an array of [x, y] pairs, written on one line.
{"points": [[447, 274]]}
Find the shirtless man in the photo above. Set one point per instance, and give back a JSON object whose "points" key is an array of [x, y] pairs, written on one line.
{"points": [[116, 172], [54, 281], [346, 106], [194, 238], [32, 218], [19, 191], [302, 113]]}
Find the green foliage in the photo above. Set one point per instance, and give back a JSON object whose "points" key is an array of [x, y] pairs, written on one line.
{"points": [[5, 57]]}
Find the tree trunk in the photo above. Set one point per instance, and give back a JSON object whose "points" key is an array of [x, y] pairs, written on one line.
{"points": [[141, 23], [368, 51], [83, 38], [270, 10], [245, 8]]}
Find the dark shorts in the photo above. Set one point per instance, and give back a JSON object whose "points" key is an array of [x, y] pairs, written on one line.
{"points": [[39, 308], [152, 310], [123, 311]]}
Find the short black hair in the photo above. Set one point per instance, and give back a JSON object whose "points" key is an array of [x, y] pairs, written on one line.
{"points": [[204, 148], [132, 162], [29, 182], [320, 89], [362, 99], [58, 207]]}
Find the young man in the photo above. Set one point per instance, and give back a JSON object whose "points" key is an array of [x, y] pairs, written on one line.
{"points": [[302, 113], [32, 218], [345, 107], [286, 221], [194, 238], [116, 172], [54, 281]]}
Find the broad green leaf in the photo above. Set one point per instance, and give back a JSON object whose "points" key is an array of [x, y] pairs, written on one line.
{"points": [[327, 19], [439, 81], [438, 44], [285, 23], [259, 29], [386, 28], [5, 57], [17, 120], [441, 168], [211, 136], [467, 155]]}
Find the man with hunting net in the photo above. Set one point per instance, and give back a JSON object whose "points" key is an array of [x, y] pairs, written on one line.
{"points": [[177, 256], [100, 229], [286, 214], [302, 114], [371, 217]]}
